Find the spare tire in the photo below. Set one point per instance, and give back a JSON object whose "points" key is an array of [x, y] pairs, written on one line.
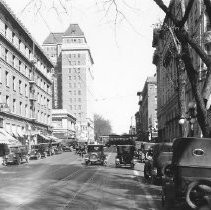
{"points": [[203, 185]]}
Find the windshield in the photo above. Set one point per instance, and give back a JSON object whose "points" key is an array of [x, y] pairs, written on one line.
{"points": [[95, 148], [125, 149]]}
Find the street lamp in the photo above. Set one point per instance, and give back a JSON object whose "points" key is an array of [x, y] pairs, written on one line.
{"points": [[190, 117]]}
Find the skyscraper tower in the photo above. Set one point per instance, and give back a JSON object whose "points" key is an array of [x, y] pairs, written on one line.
{"points": [[74, 77]]}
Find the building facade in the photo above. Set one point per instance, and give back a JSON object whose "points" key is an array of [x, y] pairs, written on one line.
{"points": [[63, 124], [25, 81], [174, 90], [74, 77], [148, 110]]}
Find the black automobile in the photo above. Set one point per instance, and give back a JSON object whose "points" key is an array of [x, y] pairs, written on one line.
{"points": [[16, 155], [161, 155], [188, 177], [125, 156], [95, 154], [39, 150]]}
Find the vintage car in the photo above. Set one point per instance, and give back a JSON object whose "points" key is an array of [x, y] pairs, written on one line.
{"points": [[161, 157], [67, 148], [187, 179], [39, 150], [16, 155], [125, 156], [95, 154]]}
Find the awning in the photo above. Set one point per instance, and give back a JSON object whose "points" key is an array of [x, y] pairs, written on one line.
{"points": [[14, 132], [44, 137], [3, 139], [11, 139], [20, 133]]}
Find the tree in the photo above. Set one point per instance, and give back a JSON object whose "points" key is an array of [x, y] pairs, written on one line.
{"points": [[101, 126], [186, 42]]}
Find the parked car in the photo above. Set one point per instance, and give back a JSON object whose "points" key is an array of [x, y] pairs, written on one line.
{"points": [[16, 155], [161, 157], [95, 154], [66, 148], [187, 178], [125, 156], [39, 150]]}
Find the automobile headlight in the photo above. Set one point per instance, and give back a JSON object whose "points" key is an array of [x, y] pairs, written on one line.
{"points": [[117, 160]]}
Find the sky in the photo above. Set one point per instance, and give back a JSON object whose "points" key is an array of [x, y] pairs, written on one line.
{"points": [[121, 47]]}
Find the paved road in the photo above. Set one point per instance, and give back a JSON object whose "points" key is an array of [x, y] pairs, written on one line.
{"points": [[64, 182]]}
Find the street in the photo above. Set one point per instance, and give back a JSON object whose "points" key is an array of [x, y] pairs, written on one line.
{"points": [[64, 182]]}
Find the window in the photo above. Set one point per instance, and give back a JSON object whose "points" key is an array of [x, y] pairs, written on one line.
{"points": [[79, 107], [20, 106], [74, 85], [74, 92], [7, 78], [14, 105], [69, 77], [79, 92], [13, 82], [26, 90], [71, 107], [7, 100], [19, 87], [71, 100], [70, 92], [70, 85], [70, 71], [79, 99]]}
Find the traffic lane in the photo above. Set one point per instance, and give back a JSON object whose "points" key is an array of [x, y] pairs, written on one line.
{"points": [[22, 183]]}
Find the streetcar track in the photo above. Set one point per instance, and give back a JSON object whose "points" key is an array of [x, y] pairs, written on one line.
{"points": [[89, 181]]}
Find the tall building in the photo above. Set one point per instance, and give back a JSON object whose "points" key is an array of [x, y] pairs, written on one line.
{"points": [[174, 89], [25, 81], [148, 109], [74, 75]]}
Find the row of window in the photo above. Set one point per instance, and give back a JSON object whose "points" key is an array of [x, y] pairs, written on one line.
{"points": [[74, 77], [75, 100], [74, 85], [75, 107], [22, 67], [73, 40], [19, 108], [22, 88], [75, 70], [75, 92], [19, 44]]}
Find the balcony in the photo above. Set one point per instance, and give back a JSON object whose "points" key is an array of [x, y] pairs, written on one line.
{"points": [[207, 37]]}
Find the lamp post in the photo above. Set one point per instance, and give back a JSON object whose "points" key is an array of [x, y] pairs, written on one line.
{"points": [[190, 117]]}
